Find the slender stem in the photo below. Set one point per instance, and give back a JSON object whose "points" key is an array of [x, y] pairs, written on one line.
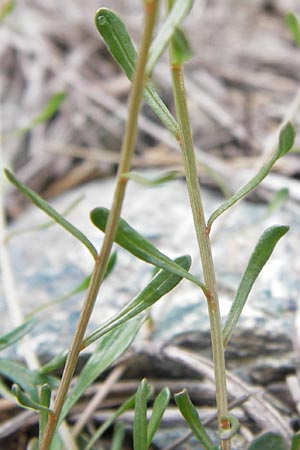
{"points": [[189, 161], [119, 193]]}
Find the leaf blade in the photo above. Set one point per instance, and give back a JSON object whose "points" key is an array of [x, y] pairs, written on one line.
{"points": [[50, 211], [140, 417], [128, 238], [108, 349], [286, 139], [8, 339], [260, 255], [179, 11], [120, 46], [160, 405], [191, 417], [162, 283]]}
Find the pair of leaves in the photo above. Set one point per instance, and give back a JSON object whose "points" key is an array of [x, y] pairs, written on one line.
{"points": [[120, 46], [143, 431], [128, 238], [162, 283]]}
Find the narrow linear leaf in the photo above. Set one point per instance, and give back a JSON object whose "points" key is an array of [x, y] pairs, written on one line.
{"points": [[20, 375], [120, 46], [178, 12], [45, 225], [128, 238], [191, 417], [140, 417], [8, 339], [50, 211], [268, 441], [295, 445], [108, 350], [262, 252], [181, 50], [54, 364], [294, 26], [118, 437], [128, 404], [160, 405], [144, 181], [286, 140], [26, 401], [47, 112], [162, 283], [45, 398]]}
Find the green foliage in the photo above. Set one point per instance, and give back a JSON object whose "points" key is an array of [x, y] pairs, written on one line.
{"points": [[32, 388], [191, 417], [128, 238], [262, 252], [51, 212], [286, 141], [162, 283], [293, 24], [8, 339], [109, 348], [51, 108], [268, 441]]}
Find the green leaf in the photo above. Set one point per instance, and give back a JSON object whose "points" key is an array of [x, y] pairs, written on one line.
{"points": [[140, 179], [140, 417], [162, 283], [50, 211], [262, 252], [6, 8], [160, 405], [169, 28], [128, 404], [45, 398], [286, 140], [8, 339], [191, 417], [278, 200], [140, 247], [107, 351], [268, 441], [18, 374], [47, 112], [294, 26], [118, 437], [55, 363], [45, 225], [120, 46], [181, 50], [26, 401], [295, 445]]}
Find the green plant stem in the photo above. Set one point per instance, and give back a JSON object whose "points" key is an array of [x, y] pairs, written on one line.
{"points": [[119, 193], [189, 161]]}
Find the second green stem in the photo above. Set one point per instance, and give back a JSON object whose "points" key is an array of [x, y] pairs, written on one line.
{"points": [[189, 161]]}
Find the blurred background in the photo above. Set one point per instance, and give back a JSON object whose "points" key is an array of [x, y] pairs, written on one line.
{"points": [[242, 83]]}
